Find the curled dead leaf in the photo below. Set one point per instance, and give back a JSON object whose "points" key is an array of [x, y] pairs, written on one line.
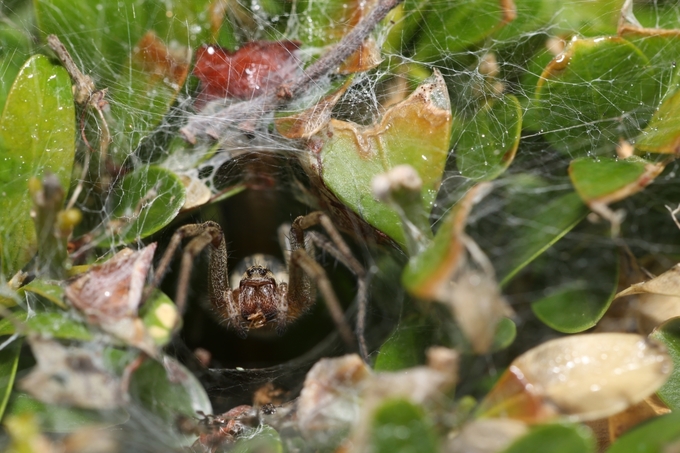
{"points": [[667, 284], [110, 294], [341, 394], [581, 377]]}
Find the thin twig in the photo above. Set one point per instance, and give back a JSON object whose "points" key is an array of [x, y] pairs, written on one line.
{"points": [[245, 114], [86, 95], [84, 86]]}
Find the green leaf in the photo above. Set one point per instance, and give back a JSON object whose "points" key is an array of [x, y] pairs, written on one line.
{"points": [[655, 436], [325, 23], [488, 143], [587, 291], [145, 201], [594, 18], [453, 27], [530, 15], [405, 348], [427, 271], [400, 426], [593, 94], [15, 46], [669, 334], [607, 180], [50, 290], [9, 359], [506, 332], [153, 388], [560, 438], [415, 132], [51, 324], [662, 134], [37, 135], [62, 419], [543, 221]]}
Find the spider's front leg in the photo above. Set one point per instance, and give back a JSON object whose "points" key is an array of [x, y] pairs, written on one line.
{"points": [[221, 297], [303, 268]]}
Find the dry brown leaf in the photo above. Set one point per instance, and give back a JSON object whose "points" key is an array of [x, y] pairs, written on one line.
{"points": [[667, 284], [110, 294], [580, 377]]}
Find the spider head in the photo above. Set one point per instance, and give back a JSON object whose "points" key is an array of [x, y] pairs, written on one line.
{"points": [[258, 296]]}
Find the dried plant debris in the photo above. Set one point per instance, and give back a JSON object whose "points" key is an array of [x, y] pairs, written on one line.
{"points": [[341, 394], [667, 284], [580, 377], [486, 436], [477, 305], [110, 294], [71, 375], [217, 431], [25, 437]]}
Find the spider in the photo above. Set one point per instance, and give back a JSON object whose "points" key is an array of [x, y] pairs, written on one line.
{"points": [[260, 301]]}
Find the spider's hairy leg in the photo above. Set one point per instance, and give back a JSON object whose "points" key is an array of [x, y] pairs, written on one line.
{"points": [[311, 269], [339, 249], [202, 235]]}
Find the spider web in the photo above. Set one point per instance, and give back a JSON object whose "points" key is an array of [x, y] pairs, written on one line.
{"points": [[507, 62]]}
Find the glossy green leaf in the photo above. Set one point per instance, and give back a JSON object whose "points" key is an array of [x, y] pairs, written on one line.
{"points": [[50, 324], [325, 23], [593, 94], [62, 419], [593, 18], [143, 203], [405, 348], [658, 435], [582, 293], [529, 16], [488, 142], [9, 359], [415, 132], [427, 271], [15, 46], [265, 440], [453, 27], [606, 180], [560, 438], [669, 334], [160, 317], [405, 20], [37, 135], [168, 398], [506, 332], [543, 221], [400, 426], [50, 290], [662, 134]]}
